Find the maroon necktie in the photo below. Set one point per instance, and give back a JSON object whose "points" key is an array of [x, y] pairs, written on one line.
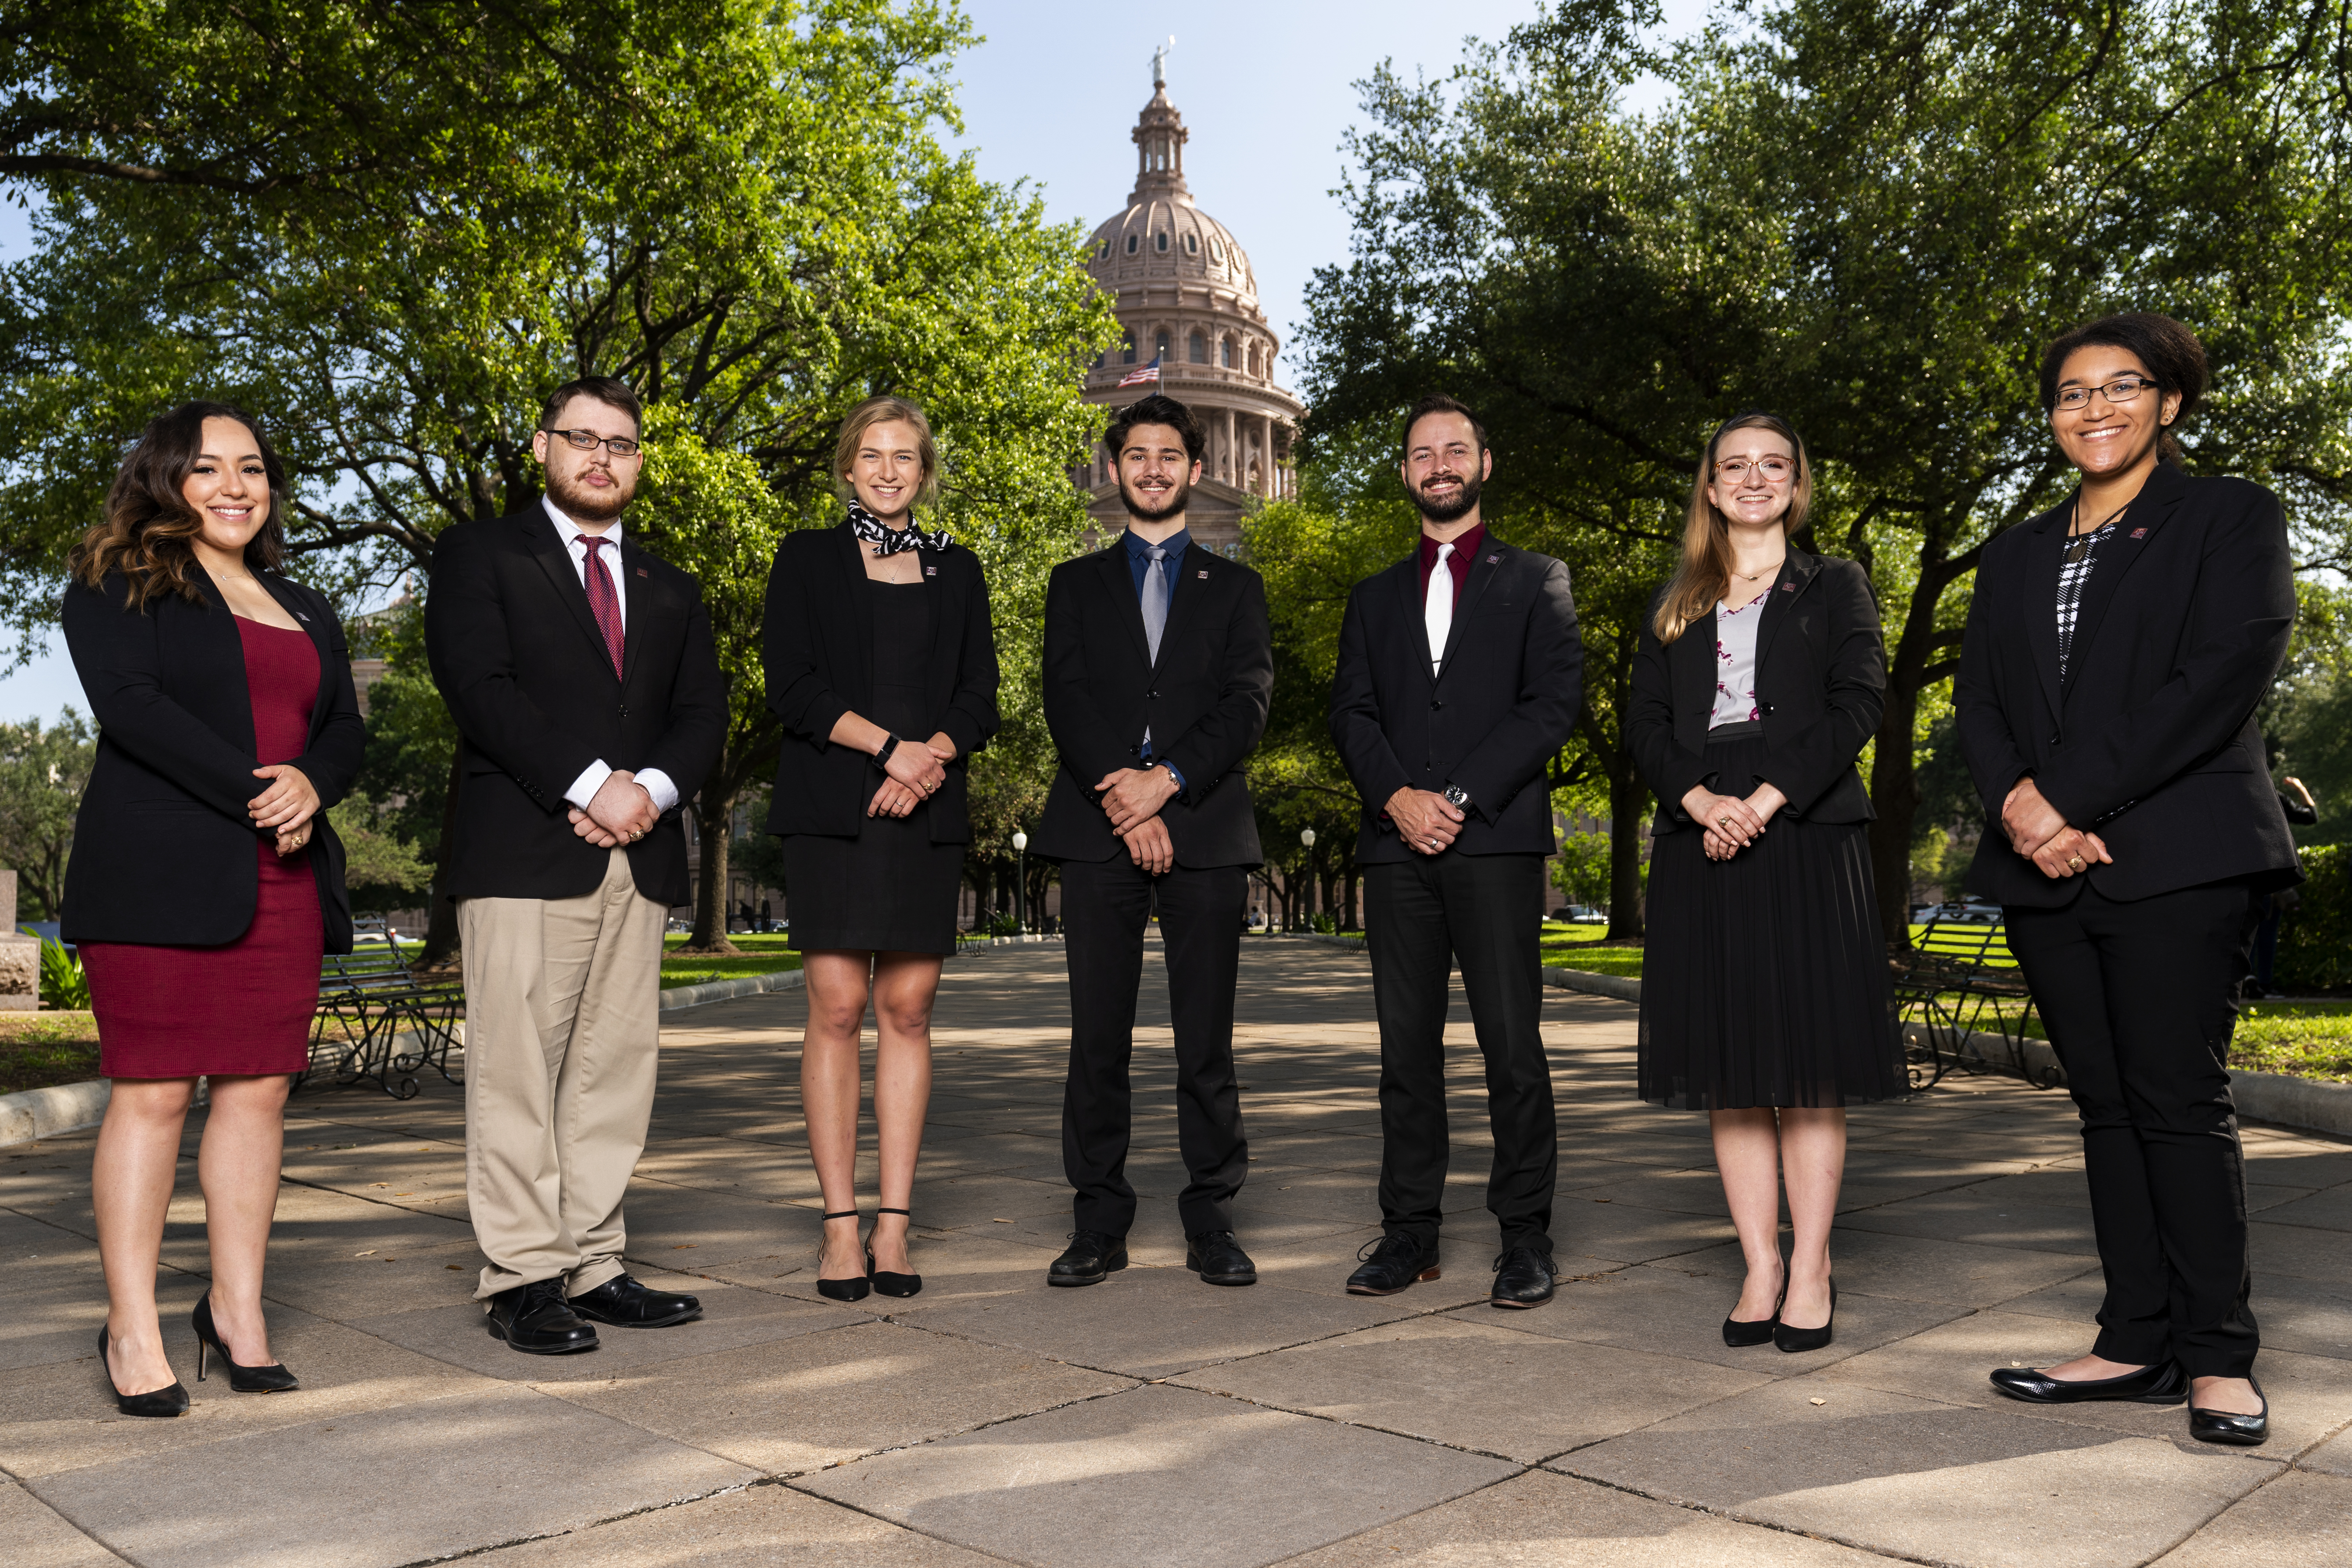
{"points": [[603, 599]]}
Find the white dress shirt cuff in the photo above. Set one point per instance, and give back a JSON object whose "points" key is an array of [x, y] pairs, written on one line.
{"points": [[658, 785], [591, 779]]}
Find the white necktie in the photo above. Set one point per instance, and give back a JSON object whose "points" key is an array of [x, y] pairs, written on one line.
{"points": [[1437, 611]]}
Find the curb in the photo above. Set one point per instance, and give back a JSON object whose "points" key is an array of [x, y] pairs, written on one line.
{"points": [[1623, 987], [34, 1113], [678, 996]]}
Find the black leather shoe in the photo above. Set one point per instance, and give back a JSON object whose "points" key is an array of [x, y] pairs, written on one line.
{"points": [[627, 1303], [1090, 1256], [1746, 1334], [1218, 1258], [534, 1320], [1390, 1265], [271, 1379], [2161, 1384], [1796, 1342], [1523, 1278], [886, 1283], [2237, 1431], [852, 1289], [171, 1400]]}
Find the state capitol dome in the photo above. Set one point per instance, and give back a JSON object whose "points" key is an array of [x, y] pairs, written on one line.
{"points": [[1181, 288]]}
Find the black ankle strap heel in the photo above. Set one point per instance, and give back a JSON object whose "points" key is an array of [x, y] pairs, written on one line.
{"points": [[889, 1284], [853, 1290]]}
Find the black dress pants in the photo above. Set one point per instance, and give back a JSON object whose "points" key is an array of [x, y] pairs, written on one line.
{"points": [[2138, 1000], [1105, 907], [1421, 917]]}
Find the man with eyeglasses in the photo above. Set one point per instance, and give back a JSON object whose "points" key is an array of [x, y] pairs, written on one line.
{"points": [[589, 704]]}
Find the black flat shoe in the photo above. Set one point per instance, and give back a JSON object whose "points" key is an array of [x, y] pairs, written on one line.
{"points": [[627, 1303], [1523, 1278], [1218, 1258], [1391, 1264], [2227, 1427], [1091, 1257], [842, 1289], [1746, 1335], [886, 1282], [2161, 1384], [1797, 1341], [535, 1319], [172, 1401], [271, 1379]]}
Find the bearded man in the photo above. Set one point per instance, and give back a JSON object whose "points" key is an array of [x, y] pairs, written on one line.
{"points": [[589, 703], [1459, 678], [1158, 670]]}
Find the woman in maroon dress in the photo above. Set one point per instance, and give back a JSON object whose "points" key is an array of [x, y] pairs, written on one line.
{"points": [[206, 882]]}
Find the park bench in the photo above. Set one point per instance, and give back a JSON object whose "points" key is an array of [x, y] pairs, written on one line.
{"points": [[1956, 989], [377, 1023]]}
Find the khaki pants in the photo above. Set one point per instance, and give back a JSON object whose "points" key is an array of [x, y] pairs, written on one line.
{"points": [[562, 1008]]}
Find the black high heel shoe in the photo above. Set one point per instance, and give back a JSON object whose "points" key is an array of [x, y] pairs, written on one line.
{"points": [[841, 1289], [887, 1283], [172, 1401], [1796, 1341], [2227, 1427], [1742, 1336], [271, 1379]]}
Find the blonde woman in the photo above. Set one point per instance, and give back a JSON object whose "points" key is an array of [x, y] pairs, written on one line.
{"points": [[1759, 677], [881, 663]]}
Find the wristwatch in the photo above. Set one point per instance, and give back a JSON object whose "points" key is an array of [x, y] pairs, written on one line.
{"points": [[882, 753], [1456, 796]]}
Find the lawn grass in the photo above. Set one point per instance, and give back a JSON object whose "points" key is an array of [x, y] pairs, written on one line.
{"points": [[38, 1049], [2307, 1039], [764, 952]]}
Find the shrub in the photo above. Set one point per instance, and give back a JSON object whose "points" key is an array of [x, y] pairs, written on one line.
{"points": [[63, 984], [2315, 946]]}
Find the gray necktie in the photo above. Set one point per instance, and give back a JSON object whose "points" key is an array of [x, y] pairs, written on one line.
{"points": [[1155, 612]]}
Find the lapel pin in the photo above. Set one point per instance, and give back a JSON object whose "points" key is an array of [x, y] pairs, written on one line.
{"points": [[1492, 559], [1788, 588], [2139, 533], [930, 571], [1202, 575]]}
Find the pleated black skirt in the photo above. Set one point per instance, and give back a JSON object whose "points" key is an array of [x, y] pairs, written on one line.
{"points": [[1764, 978]]}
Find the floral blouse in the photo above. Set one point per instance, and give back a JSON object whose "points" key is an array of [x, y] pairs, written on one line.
{"points": [[1734, 662]]}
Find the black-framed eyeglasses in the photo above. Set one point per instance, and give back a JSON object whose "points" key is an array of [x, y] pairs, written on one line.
{"points": [[588, 441], [1772, 471], [2123, 389]]}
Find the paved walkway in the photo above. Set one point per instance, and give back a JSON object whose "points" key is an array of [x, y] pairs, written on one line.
{"points": [[1153, 1419]]}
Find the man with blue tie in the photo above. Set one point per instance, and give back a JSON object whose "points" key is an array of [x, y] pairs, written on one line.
{"points": [[1158, 670]]}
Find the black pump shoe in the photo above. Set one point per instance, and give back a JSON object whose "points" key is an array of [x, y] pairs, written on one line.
{"points": [[842, 1289], [271, 1379], [2229, 1427], [1797, 1341], [886, 1282], [170, 1401], [1745, 1335], [2162, 1382]]}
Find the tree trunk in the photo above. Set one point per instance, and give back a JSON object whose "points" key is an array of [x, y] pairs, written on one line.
{"points": [[1354, 921], [1628, 801], [441, 916], [714, 822], [1893, 781]]}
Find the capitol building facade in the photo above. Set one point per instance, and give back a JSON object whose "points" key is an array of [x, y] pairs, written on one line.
{"points": [[1185, 294]]}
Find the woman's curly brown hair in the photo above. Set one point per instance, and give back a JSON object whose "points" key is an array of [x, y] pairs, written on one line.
{"points": [[149, 525]]}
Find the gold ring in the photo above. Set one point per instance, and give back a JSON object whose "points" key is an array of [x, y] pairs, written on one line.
{"points": [[1723, 822], [2075, 862]]}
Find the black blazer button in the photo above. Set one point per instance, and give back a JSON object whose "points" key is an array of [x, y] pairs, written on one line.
{"points": [[1153, 695], [1434, 704]]}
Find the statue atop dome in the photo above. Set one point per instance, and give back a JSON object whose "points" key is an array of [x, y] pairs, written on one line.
{"points": [[1160, 61]]}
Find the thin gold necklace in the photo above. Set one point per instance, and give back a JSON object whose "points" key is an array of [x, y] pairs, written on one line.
{"points": [[1751, 576]]}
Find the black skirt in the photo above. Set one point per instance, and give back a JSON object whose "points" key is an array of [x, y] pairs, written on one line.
{"points": [[1764, 978]]}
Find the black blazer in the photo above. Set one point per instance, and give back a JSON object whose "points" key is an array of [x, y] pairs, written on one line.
{"points": [[1510, 685], [817, 642], [516, 653], [1821, 686], [1204, 702], [2152, 744], [163, 851]]}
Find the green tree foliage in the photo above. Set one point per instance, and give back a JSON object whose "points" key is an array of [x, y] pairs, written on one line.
{"points": [[43, 768], [381, 869], [1869, 216]]}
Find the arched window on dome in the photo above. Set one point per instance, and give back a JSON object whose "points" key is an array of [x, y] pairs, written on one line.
{"points": [[1161, 239], [1160, 345], [1132, 241], [1216, 253], [1253, 359], [1191, 245], [1225, 352], [1127, 348], [1102, 248], [1198, 349]]}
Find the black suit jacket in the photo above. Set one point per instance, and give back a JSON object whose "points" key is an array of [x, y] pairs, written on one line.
{"points": [[2152, 744], [1510, 684], [1204, 702], [516, 653], [1821, 686], [817, 642], [163, 851]]}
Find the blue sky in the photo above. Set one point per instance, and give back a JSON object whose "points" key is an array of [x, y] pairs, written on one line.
{"points": [[1267, 91]]}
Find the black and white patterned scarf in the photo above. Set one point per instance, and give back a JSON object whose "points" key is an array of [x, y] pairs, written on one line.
{"points": [[2074, 575], [890, 542]]}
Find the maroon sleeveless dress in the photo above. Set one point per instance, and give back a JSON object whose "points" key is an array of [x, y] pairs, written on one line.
{"points": [[245, 1007]]}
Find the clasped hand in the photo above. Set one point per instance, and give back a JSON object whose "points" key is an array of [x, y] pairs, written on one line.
{"points": [[285, 807], [915, 774], [620, 812], [1426, 820], [2038, 831], [1731, 822], [1131, 798]]}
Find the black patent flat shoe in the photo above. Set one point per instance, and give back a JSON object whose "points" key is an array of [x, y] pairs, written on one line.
{"points": [[271, 1379], [2227, 1427], [2161, 1384], [855, 1290], [1746, 1335], [170, 1401], [1796, 1342], [886, 1283]]}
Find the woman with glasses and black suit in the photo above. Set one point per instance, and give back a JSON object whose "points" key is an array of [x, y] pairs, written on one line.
{"points": [[2117, 648], [1758, 678]]}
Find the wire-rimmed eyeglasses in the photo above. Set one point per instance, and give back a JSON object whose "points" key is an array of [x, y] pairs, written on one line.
{"points": [[588, 441], [1772, 471], [2123, 389]]}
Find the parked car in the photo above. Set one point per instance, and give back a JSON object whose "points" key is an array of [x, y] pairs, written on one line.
{"points": [[1963, 911], [1581, 914]]}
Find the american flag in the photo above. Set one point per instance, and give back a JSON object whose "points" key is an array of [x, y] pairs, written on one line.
{"points": [[1142, 373]]}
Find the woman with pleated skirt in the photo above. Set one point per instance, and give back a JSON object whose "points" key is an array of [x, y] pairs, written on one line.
{"points": [[1765, 1002]]}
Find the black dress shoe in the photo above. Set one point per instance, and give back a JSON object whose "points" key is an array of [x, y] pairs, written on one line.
{"points": [[1218, 1258], [2161, 1384], [168, 1401], [886, 1283], [1745, 1335], [1391, 1264], [535, 1319], [852, 1289], [271, 1379], [1090, 1256], [1523, 1278], [628, 1303], [2225, 1427], [1796, 1342]]}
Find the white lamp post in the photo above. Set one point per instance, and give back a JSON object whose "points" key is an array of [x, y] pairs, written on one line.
{"points": [[1307, 842], [1021, 880]]}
